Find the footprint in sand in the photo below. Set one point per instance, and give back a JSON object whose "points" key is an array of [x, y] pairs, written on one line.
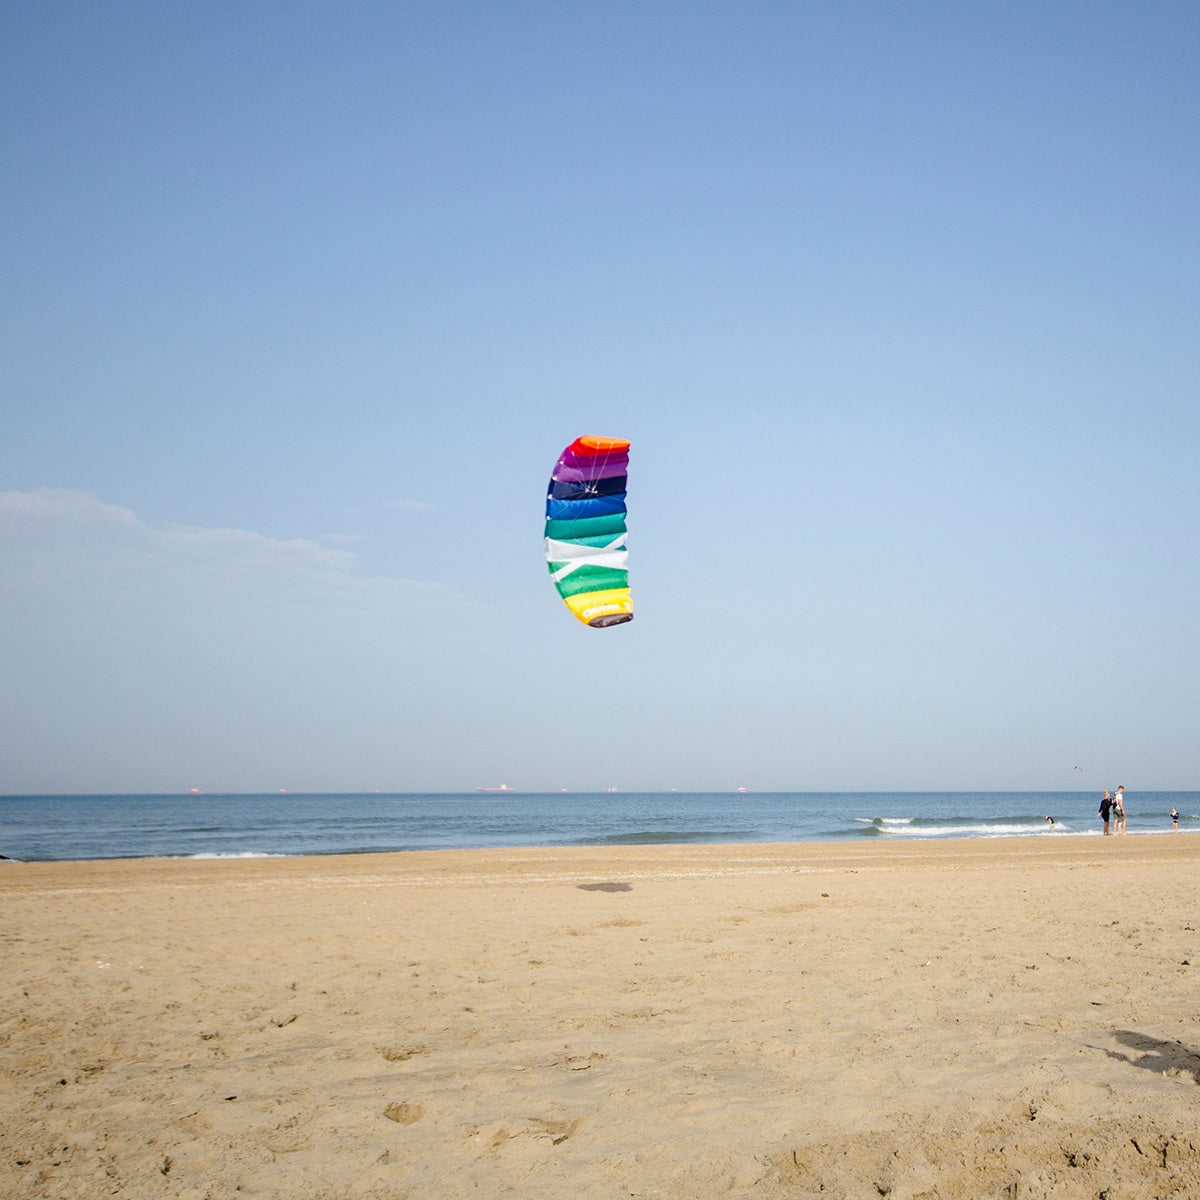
{"points": [[534, 1129], [404, 1113], [400, 1053], [579, 1062]]}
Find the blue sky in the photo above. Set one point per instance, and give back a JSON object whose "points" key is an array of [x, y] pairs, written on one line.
{"points": [[897, 303]]}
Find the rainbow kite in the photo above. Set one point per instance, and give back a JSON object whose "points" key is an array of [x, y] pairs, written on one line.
{"points": [[585, 530]]}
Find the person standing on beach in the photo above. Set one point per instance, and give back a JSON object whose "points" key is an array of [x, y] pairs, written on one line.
{"points": [[1174, 819], [1119, 804], [1106, 810]]}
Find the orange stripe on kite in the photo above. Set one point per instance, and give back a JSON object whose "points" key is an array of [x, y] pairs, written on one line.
{"points": [[589, 444]]}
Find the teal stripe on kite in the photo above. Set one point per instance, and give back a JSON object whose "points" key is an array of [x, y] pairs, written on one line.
{"points": [[569, 531], [592, 579]]}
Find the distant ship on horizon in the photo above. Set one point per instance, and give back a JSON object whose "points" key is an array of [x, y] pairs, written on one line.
{"points": [[502, 788]]}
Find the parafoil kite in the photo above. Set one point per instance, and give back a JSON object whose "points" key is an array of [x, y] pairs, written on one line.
{"points": [[585, 530]]}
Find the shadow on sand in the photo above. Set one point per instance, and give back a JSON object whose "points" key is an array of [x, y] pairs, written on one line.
{"points": [[1153, 1054]]}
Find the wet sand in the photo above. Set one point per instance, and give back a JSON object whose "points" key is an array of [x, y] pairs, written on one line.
{"points": [[952, 1020]]}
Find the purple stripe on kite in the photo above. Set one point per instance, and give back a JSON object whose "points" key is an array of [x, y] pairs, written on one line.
{"points": [[571, 475], [600, 463], [596, 468]]}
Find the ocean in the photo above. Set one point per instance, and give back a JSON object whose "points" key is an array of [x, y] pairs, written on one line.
{"points": [[45, 828]]}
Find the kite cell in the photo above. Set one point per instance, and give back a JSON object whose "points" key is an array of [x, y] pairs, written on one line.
{"points": [[585, 530]]}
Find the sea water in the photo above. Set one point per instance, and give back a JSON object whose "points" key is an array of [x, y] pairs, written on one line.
{"points": [[139, 826]]}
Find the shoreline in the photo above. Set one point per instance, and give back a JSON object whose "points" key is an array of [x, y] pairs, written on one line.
{"points": [[298, 824], [944, 1019], [833, 844], [905, 847]]}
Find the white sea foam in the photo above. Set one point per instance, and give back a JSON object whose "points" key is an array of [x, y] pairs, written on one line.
{"points": [[980, 831], [239, 854]]}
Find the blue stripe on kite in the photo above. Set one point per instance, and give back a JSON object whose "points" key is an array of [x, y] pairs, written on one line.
{"points": [[574, 510]]}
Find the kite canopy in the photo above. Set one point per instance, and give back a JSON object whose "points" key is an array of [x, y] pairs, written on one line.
{"points": [[585, 530]]}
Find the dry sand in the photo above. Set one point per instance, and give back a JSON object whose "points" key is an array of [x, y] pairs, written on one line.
{"points": [[966, 1019]]}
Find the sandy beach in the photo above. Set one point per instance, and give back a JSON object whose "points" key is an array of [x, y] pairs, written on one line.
{"points": [[1014, 1018]]}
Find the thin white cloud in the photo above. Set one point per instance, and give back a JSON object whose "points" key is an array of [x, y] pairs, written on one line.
{"points": [[136, 651], [51, 534], [61, 522], [75, 570]]}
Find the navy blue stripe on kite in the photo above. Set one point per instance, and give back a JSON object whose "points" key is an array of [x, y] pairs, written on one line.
{"points": [[561, 489], [573, 510]]}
